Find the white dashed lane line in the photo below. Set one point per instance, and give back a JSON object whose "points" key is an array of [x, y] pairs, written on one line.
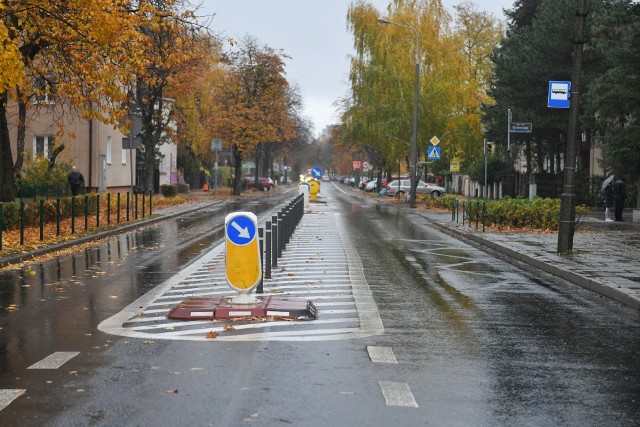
{"points": [[381, 354], [397, 394], [55, 360], [8, 395]]}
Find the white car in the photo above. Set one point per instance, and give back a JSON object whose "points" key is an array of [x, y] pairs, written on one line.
{"points": [[404, 185], [371, 185]]}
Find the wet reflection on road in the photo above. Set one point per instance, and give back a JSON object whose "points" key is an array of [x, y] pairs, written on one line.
{"points": [[518, 347], [58, 303]]}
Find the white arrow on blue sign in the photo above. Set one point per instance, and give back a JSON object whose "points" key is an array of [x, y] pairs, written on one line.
{"points": [[241, 230], [316, 173], [433, 153]]}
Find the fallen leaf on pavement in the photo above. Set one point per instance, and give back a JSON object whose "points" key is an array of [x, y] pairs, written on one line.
{"points": [[212, 335]]}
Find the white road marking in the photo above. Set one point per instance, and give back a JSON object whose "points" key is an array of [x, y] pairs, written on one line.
{"points": [[397, 394], [381, 354], [8, 395], [55, 360], [338, 289]]}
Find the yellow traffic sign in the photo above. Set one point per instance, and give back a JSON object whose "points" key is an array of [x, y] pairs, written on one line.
{"points": [[454, 166], [314, 189], [434, 140], [243, 266]]}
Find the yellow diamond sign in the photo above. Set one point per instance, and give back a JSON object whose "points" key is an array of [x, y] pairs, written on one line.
{"points": [[434, 140]]}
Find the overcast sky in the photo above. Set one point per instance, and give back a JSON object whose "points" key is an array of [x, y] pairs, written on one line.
{"points": [[314, 33]]}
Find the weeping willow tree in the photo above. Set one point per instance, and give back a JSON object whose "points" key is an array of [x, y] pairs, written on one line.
{"points": [[454, 67]]}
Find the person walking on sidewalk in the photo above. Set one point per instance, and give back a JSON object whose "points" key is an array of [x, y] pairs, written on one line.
{"points": [[76, 180], [619, 196], [608, 201]]}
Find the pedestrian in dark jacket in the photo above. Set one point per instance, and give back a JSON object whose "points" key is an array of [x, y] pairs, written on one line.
{"points": [[619, 196], [608, 201], [76, 181]]}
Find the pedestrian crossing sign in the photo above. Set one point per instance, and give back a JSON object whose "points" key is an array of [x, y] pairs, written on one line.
{"points": [[433, 153]]}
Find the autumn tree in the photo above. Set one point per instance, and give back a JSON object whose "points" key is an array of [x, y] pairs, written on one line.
{"points": [[250, 102], [175, 45], [453, 78], [72, 50]]}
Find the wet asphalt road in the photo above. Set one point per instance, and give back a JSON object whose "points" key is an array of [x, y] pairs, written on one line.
{"points": [[477, 341]]}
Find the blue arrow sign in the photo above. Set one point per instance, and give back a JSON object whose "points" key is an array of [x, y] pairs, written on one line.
{"points": [[241, 230], [316, 172], [433, 153]]}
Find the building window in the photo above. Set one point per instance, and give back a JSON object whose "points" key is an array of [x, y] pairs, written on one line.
{"points": [[109, 150], [43, 145]]}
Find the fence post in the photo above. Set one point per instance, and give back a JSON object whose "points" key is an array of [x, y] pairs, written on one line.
{"points": [[41, 219], [150, 202], [143, 194], [21, 223], [135, 202], [57, 216], [118, 209], [108, 208], [127, 206], [1, 218], [98, 211], [73, 214], [464, 211], [86, 212]]}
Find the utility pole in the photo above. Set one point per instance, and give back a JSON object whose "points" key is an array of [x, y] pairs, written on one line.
{"points": [[568, 197]]}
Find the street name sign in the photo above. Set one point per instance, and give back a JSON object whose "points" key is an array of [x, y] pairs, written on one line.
{"points": [[518, 127], [243, 266]]}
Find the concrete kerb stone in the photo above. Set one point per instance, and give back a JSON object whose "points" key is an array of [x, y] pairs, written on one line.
{"points": [[13, 259], [608, 290]]}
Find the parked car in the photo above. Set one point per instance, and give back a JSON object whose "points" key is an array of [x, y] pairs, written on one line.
{"points": [[393, 178], [401, 187], [264, 184], [371, 185], [325, 178]]}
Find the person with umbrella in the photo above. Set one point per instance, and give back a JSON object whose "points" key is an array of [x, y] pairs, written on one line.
{"points": [[619, 197], [607, 186]]}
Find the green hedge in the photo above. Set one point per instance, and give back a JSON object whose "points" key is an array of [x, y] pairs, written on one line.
{"points": [[539, 213]]}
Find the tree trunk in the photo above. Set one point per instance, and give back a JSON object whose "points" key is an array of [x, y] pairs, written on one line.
{"points": [[237, 180], [22, 125], [149, 164], [7, 177]]}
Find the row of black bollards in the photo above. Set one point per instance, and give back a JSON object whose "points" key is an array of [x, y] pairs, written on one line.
{"points": [[277, 234]]}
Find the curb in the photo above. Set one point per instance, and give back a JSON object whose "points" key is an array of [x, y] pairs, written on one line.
{"points": [[13, 259], [599, 287]]}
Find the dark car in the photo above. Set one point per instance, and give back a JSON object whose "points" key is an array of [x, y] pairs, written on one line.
{"points": [[264, 184]]}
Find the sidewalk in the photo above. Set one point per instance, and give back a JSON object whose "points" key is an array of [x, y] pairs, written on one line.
{"points": [[605, 259]]}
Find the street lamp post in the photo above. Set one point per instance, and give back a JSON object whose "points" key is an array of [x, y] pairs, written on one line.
{"points": [[414, 142]]}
